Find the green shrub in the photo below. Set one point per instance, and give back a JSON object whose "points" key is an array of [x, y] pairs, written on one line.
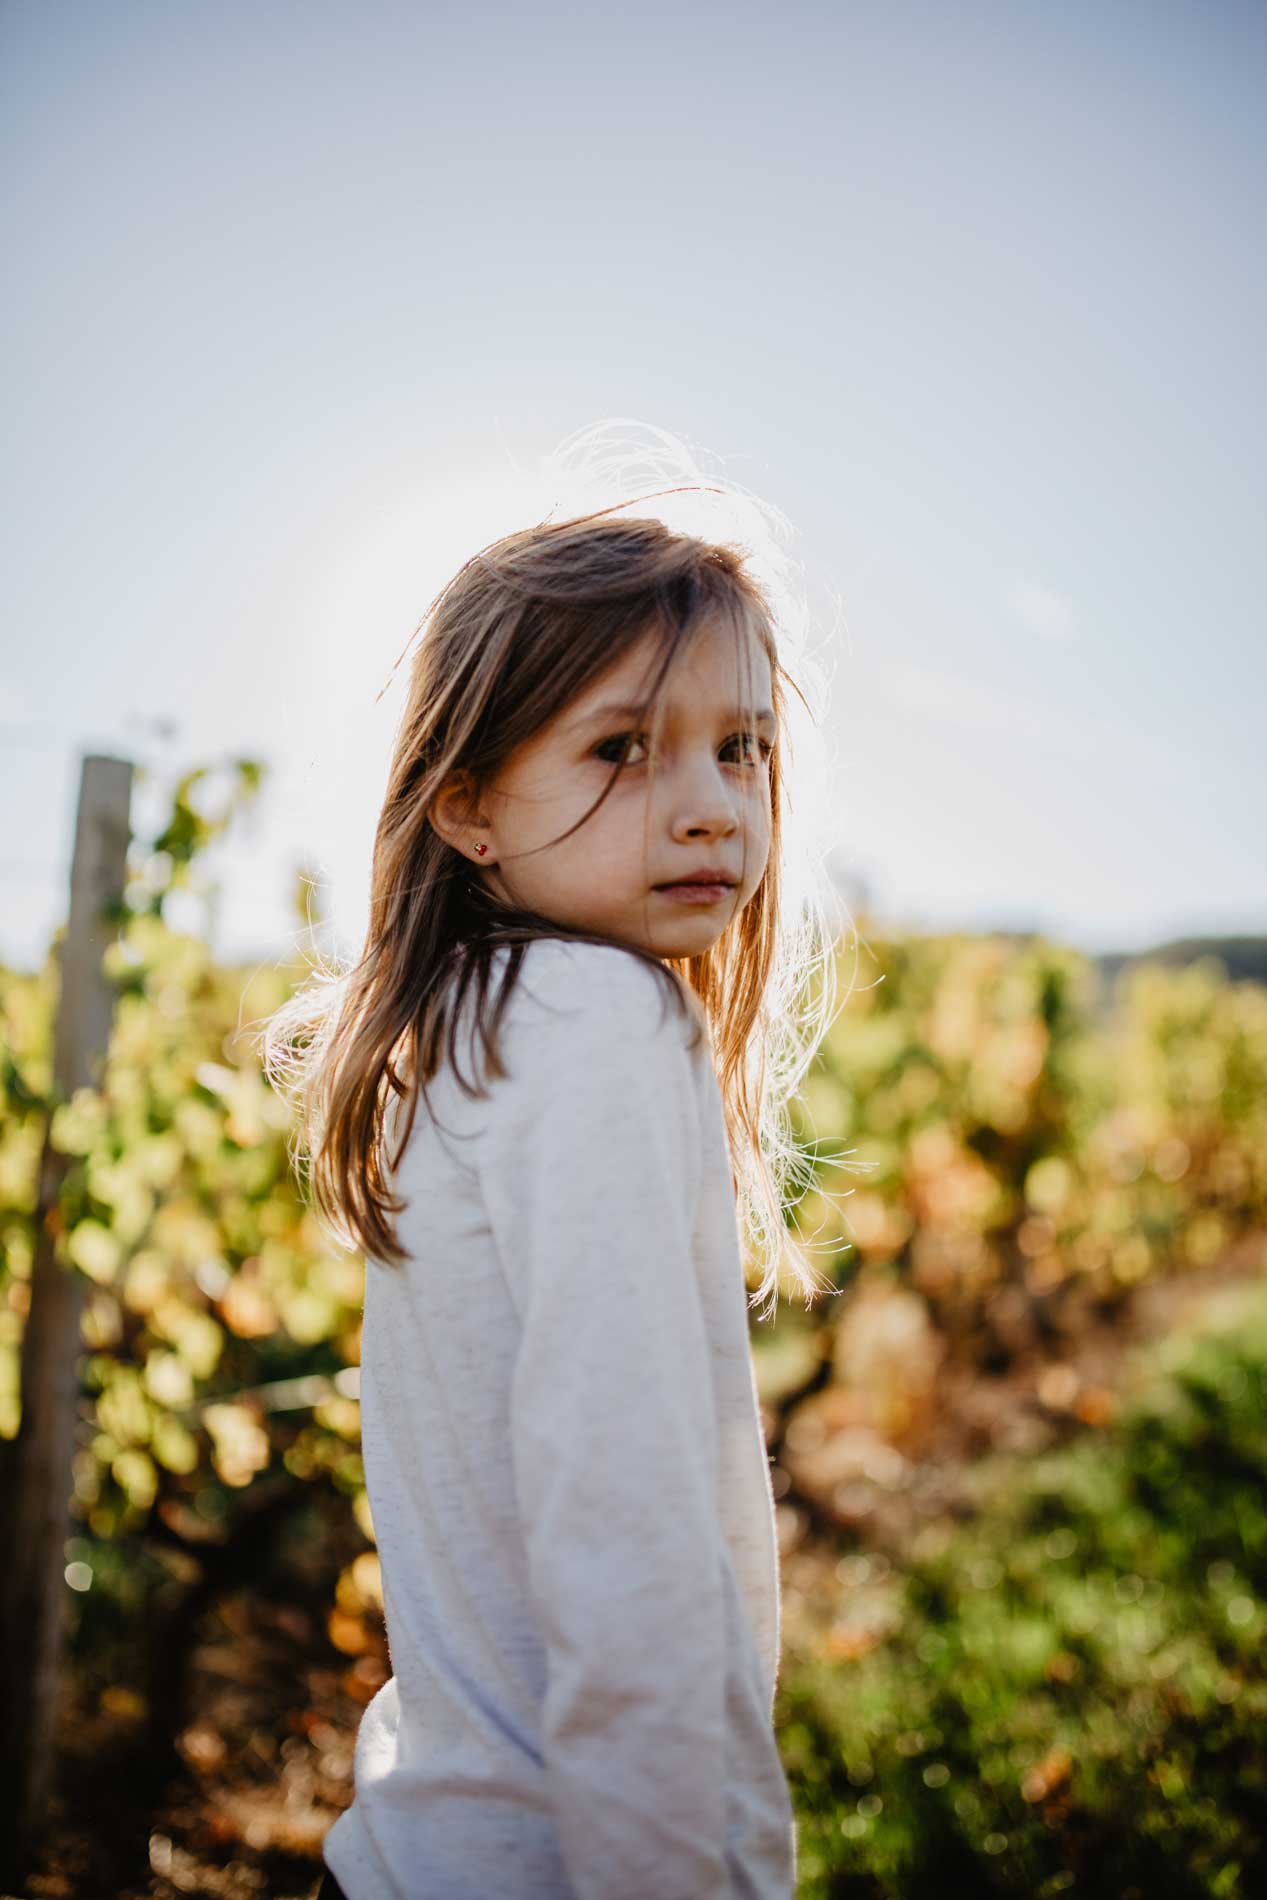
{"points": [[1068, 1692]]}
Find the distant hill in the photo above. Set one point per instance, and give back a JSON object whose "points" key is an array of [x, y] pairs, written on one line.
{"points": [[1243, 958]]}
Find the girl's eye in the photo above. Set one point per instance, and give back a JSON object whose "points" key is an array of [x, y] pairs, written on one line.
{"points": [[765, 745], [618, 739]]}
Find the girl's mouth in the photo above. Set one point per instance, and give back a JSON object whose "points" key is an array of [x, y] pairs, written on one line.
{"points": [[695, 893]]}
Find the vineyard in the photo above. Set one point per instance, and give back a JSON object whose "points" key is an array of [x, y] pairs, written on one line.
{"points": [[1019, 1463]]}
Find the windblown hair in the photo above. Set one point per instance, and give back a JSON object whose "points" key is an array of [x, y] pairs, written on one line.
{"points": [[524, 626]]}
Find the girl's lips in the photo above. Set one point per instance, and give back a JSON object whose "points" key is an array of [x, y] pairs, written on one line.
{"points": [[695, 893]]}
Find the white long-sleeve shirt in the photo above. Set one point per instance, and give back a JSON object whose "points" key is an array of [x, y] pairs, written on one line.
{"points": [[568, 1479]]}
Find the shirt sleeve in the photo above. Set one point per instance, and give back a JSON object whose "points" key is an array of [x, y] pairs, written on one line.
{"points": [[590, 1170]]}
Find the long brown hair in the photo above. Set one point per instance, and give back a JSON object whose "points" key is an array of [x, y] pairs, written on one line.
{"points": [[525, 625]]}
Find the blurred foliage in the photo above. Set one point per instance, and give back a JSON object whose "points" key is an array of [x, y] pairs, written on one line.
{"points": [[220, 1324], [1069, 1691], [1013, 1133]]}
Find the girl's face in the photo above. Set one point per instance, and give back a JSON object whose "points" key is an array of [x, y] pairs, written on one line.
{"points": [[706, 807]]}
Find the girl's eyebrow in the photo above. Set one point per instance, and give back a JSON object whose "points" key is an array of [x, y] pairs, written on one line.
{"points": [[639, 712]]}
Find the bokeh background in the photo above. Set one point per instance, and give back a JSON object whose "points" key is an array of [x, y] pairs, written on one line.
{"points": [[301, 297]]}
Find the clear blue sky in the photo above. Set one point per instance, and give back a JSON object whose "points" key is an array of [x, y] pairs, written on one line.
{"points": [[974, 294]]}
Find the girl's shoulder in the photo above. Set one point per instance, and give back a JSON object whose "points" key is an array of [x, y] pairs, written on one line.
{"points": [[567, 980], [576, 1010], [589, 992]]}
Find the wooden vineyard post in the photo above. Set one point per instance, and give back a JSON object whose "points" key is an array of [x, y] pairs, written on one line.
{"points": [[38, 1475]]}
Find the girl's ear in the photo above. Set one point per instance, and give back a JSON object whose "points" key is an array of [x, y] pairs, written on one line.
{"points": [[453, 812]]}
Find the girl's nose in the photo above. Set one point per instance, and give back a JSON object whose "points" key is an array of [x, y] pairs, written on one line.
{"points": [[704, 798]]}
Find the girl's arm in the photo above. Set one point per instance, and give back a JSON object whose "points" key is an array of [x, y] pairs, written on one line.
{"points": [[590, 1169]]}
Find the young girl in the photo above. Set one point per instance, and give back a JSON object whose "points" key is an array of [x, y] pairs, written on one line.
{"points": [[562, 1441]]}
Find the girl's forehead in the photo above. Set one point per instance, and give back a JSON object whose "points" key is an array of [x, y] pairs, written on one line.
{"points": [[718, 665]]}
